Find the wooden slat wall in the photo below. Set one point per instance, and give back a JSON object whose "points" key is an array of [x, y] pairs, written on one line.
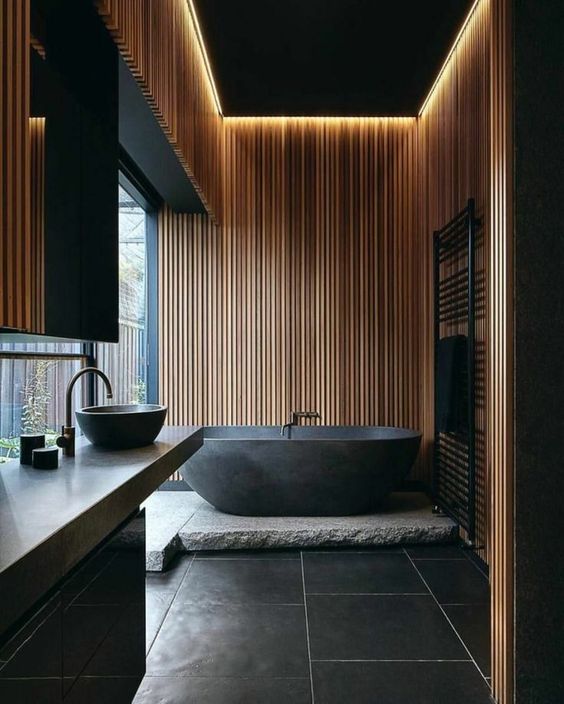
{"points": [[159, 42], [16, 288], [304, 298], [500, 376], [465, 147], [36, 256], [454, 164]]}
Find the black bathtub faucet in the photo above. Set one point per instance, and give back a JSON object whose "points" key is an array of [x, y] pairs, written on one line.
{"points": [[295, 417]]}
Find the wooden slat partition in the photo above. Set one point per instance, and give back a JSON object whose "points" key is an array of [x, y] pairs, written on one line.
{"points": [[500, 369], [465, 147], [304, 297], [36, 255], [16, 283], [454, 165], [158, 39]]}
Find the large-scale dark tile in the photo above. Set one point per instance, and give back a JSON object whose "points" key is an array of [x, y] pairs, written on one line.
{"points": [[399, 683], [97, 690], [435, 552], [170, 579], [157, 605], [472, 623], [241, 690], [455, 581], [243, 582], [380, 628], [231, 641], [248, 555], [361, 573]]}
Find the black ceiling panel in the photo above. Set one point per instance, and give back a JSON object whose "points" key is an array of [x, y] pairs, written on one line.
{"points": [[327, 57]]}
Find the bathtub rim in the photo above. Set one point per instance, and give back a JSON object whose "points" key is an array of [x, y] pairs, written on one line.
{"points": [[398, 433]]}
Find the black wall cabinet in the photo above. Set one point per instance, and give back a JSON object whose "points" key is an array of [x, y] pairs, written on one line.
{"points": [[75, 87], [86, 645]]}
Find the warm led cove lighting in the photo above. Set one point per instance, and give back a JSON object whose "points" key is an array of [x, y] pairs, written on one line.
{"points": [[205, 55], [316, 117], [450, 53], [340, 118]]}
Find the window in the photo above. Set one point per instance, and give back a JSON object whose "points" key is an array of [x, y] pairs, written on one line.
{"points": [[125, 363], [33, 380], [34, 376]]}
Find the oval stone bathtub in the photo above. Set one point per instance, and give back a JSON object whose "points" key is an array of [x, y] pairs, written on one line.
{"points": [[320, 471]]}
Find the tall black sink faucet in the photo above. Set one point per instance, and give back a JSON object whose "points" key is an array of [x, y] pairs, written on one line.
{"points": [[294, 418], [67, 437]]}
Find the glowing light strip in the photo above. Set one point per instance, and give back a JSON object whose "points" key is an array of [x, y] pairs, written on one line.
{"points": [[317, 117], [205, 56], [405, 118], [450, 53]]}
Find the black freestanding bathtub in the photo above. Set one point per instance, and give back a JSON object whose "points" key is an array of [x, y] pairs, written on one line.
{"points": [[319, 471]]}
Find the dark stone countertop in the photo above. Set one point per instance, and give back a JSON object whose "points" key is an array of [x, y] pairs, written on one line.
{"points": [[51, 519]]}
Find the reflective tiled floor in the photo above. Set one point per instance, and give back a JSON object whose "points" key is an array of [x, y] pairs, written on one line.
{"points": [[318, 627]]}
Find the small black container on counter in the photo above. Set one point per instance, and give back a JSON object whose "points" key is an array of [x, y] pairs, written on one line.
{"points": [[29, 443], [46, 458]]}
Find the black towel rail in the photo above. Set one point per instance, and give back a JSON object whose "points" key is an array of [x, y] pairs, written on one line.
{"points": [[454, 464]]}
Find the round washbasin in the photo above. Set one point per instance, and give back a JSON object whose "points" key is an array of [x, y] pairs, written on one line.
{"points": [[122, 427]]}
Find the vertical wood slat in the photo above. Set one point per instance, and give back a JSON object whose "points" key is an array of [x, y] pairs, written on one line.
{"points": [[159, 42], [315, 295], [500, 370], [15, 237], [36, 255], [454, 165]]}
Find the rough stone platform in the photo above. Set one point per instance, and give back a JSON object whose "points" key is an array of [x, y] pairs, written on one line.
{"points": [[178, 521]]}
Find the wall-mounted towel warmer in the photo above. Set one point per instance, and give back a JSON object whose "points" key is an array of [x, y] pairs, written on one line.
{"points": [[454, 464]]}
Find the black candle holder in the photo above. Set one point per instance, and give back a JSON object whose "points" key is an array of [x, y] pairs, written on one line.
{"points": [[28, 443], [46, 458]]}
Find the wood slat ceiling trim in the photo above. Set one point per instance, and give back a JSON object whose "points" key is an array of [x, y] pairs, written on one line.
{"points": [[159, 42]]}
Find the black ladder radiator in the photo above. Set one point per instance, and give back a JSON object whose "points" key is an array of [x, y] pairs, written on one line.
{"points": [[454, 463]]}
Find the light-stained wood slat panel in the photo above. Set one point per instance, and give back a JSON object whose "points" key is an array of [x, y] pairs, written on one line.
{"points": [[454, 165], [159, 41], [465, 147], [305, 297], [500, 369], [36, 256], [16, 307]]}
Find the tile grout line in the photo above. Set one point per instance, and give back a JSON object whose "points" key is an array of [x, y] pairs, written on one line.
{"points": [[307, 630], [438, 559], [466, 554], [169, 606], [368, 594], [390, 660], [449, 621]]}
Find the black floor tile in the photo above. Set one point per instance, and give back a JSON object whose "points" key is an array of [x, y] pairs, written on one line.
{"points": [[231, 641], [204, 690], [248, 555], [100, 690], [243, 582], [361, 573], [170, 579], [472, 622], [399, 683], [435, 552], [363, 549], [157, 604], [455, 581], [380, 628]]}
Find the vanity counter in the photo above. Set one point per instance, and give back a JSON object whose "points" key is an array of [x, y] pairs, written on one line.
{"points": [[51, 519]]}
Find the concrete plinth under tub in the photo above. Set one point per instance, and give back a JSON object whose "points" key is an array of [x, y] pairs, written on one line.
{"points": [[182, 521]]}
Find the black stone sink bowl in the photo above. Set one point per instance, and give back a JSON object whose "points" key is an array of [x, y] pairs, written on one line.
{"points": [[122, 427]]}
